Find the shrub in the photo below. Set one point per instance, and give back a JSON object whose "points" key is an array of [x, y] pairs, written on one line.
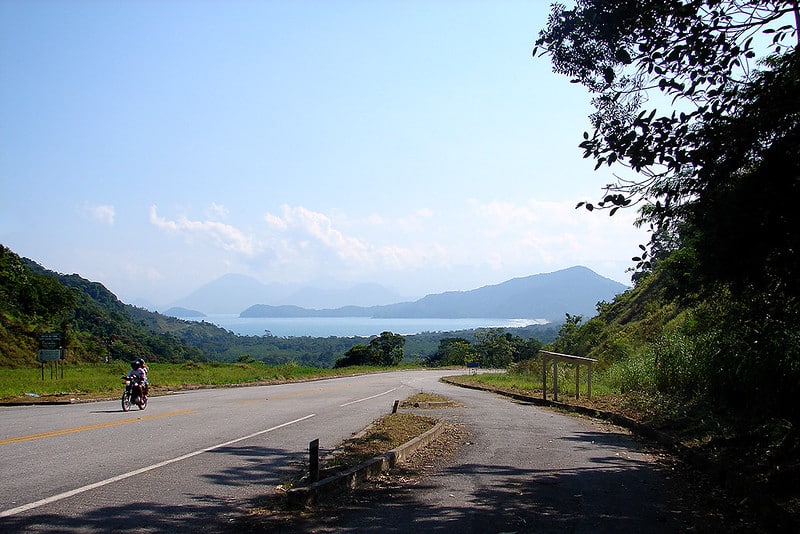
{"points": [[634, 373]]}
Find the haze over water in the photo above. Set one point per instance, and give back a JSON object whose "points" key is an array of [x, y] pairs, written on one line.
{"points": [[352, 326]]}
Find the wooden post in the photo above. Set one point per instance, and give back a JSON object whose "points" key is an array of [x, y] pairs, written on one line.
{"points": [[589, 381], [544, 378], [577, 379], [555, 379], [313, 460]]}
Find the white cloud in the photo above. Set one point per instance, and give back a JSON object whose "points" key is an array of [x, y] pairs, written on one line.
{"points": [[476, 243], [217, 210], [553, 235], [103, 213], [317, 236], [502, 237], [220, 235]]}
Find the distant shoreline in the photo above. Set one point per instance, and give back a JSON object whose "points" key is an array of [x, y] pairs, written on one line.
{"points": [[354, 326]]}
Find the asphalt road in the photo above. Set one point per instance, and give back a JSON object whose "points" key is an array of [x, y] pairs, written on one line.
{"points": [[522, 469], [191, 461]]}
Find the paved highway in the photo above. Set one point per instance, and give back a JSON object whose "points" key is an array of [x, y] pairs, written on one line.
{"points": [[186, 462], [191, 461]]}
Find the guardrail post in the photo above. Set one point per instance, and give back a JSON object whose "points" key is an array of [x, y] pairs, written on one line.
{"points": [[589, 381], [544, 377], [555, 379], [313, 460]]}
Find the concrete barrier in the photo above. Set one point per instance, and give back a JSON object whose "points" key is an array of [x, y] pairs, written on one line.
{"points": [[353, 477]]}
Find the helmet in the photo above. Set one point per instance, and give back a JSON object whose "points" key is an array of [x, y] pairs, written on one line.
{"points": [[137, 363]]}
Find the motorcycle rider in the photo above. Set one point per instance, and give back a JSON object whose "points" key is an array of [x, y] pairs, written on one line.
{"points": [[139, 371]]}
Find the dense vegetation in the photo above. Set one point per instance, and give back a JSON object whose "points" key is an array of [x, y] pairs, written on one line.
{"points": [[699, 103], [96, 325], [386, 349]]}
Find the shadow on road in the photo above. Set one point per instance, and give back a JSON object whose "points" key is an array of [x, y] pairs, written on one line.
{"points": [[143, 512], [259, 464], [617, 494]]}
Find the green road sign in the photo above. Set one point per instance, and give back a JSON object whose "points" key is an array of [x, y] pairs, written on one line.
{"points": [[51, 341], [49, 355]]}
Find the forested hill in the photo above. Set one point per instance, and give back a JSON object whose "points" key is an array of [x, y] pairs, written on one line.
{"points": [[34, 300]]}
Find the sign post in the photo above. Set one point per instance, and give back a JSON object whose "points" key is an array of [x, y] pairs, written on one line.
{"points": [[51, 349]]}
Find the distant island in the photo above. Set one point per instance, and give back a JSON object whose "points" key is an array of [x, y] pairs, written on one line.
{"points": [[183, 313]]}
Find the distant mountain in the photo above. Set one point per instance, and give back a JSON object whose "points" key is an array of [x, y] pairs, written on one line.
{"points": [[232, 293], [548, 296]]}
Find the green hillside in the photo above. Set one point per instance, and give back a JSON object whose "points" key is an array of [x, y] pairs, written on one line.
{"points": [[96, 324], [98, 327]]}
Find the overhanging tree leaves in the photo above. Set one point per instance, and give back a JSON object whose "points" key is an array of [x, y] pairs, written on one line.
{"points": [[675, 81], [697, 105]]}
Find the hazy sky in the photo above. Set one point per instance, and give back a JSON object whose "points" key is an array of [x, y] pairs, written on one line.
{"points": [[156, 145]]}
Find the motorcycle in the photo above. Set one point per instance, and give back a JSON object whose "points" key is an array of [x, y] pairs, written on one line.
{"points": [[134, 393]]}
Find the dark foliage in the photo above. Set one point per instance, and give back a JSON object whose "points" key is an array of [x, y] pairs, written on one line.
{"points": [[700, 100], [385, 350]]}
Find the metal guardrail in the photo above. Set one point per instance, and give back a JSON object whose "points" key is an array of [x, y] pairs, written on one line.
{"points": [[569, 358]]}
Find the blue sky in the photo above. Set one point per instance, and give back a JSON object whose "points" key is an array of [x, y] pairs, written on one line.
{"points": [[157, 145]]}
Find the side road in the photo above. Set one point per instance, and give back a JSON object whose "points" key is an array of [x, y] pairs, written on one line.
{"points": [[518, 468]]}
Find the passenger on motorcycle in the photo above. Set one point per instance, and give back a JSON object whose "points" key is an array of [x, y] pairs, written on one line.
{"points": [[139, 371]]}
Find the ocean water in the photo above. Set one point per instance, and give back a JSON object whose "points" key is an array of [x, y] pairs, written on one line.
{"points": [[352, 326]]}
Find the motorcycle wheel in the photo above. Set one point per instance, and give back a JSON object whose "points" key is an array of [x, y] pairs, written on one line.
{"points": [[126, 401], [142, 402]]}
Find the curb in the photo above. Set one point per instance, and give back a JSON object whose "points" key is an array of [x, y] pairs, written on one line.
{"points": [[353, 477]]}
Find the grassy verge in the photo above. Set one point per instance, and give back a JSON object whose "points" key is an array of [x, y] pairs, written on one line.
{"points": [[385, 434], [88, 381]]}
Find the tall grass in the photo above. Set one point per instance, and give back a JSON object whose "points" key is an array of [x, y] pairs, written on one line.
{"points": [[673, 363], [96, 380]]}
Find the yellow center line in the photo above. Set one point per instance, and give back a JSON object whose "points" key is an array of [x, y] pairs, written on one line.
{"points": [[64, 431]]}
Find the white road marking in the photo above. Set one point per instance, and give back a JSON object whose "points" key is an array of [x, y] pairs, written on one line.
{"points": [[367, 398], [76, 491]]}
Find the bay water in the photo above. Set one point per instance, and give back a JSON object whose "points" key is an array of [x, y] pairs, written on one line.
{"points": [[352, 326]]}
